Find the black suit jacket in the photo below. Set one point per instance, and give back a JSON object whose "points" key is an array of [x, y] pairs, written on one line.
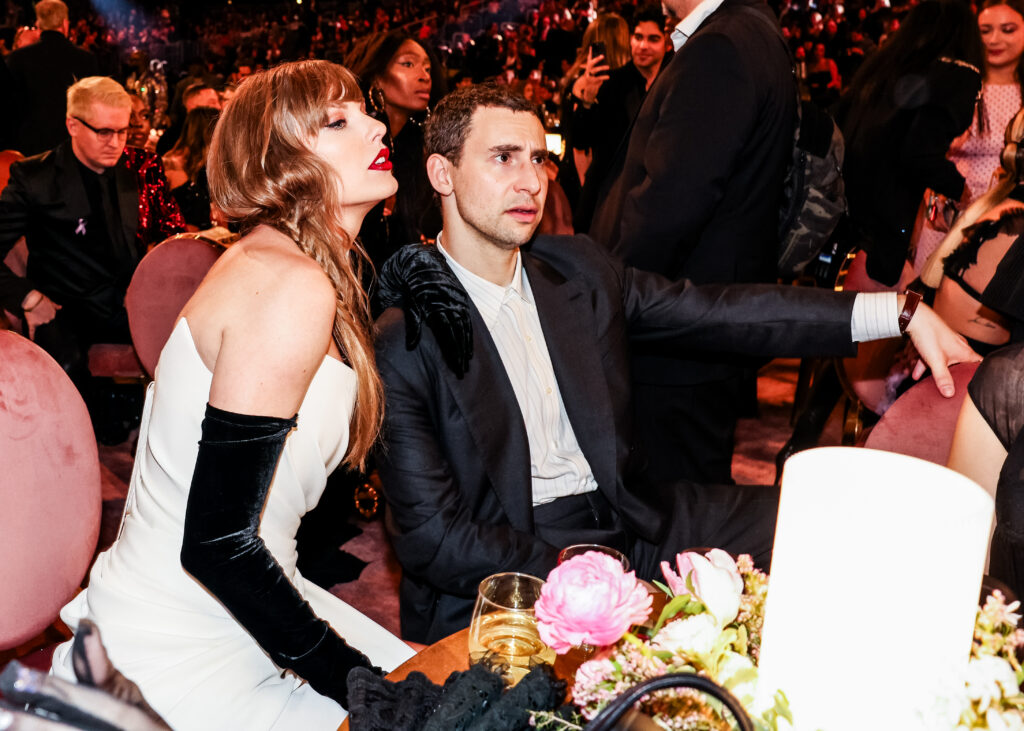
{"points": [[604, 128], [45, 200], [455, 460], [698, 190], [42, 74]]}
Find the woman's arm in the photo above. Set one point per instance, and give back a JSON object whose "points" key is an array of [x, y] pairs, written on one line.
{"points": [[269, 352]]}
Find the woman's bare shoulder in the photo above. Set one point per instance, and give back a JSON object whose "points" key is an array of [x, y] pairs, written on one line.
{"points": [[265, 303], [266, 268]]}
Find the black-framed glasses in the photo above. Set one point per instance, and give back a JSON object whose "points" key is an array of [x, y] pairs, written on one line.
{"points": [[104, 133]]}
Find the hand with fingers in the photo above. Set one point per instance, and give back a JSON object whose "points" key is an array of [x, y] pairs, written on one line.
{"points": [[938, 345], [39, 310], [418, 279], [595, 73]]}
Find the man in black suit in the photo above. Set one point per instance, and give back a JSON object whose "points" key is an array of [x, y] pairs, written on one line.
{"points": [[42, 73], [697, 198], [88, 210], [496, 466]]}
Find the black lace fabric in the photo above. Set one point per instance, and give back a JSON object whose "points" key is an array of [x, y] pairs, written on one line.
{"points": [[999, 287], [470, 700]]}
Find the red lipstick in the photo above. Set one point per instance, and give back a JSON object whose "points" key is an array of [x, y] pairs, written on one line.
{"points": [[382, 162]]}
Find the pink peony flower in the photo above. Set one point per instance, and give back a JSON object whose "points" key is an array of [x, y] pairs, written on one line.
{"points": [[716, 581], [589, 600]]}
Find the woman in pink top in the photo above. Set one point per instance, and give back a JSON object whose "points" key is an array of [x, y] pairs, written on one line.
{"points": [[976, 152]]}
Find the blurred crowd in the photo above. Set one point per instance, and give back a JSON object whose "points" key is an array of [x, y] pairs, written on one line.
{"points": [[512, 39]]}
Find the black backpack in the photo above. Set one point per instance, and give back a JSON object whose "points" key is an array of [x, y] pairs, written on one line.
{"points": [[814, 197]]}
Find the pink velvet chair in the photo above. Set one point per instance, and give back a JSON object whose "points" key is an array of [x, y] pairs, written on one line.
{"points": [[163, 282], [921, 422], [49, 490]]}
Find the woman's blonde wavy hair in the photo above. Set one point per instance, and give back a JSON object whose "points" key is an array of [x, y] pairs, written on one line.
{"points": [[262, 170], [1009, 175]]}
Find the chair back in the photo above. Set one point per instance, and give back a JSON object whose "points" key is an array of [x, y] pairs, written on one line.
{"points": [[921, 422], [163, 283], [49, 490], [7, 158]]}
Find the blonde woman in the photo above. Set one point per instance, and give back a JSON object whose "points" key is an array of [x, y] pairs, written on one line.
{"points": [[266, 384]]}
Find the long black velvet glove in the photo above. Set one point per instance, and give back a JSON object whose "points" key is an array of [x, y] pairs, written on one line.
{"points": [[418, 279], [221, 548]]}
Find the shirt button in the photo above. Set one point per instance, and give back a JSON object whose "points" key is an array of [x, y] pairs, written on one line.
{"points": [[549, 389]]}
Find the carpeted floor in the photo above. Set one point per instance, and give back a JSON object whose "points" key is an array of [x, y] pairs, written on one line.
{"points": [[375, 592]]}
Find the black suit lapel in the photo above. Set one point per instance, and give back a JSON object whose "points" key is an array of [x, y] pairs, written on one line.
{"points": [[69, 186], [569, 331], [488, 404], [128, 203]]}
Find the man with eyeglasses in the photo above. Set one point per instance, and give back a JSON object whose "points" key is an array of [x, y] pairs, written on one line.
{"points": [[88, 209]]}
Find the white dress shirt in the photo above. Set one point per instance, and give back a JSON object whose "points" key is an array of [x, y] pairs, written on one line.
{"points": [[689, 25], [557, 465]]}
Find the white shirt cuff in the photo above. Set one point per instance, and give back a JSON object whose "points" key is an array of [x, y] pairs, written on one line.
{"points": [[875, 316]]}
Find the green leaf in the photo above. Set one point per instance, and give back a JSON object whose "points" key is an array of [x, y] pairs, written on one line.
{"points": [[674, 606], [663, 588]]}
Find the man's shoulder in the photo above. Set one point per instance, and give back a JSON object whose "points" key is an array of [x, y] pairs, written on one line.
{"points": [[734, 24], [51, 49], [390, 328], [570, 256], [392, 348], [43, 163], [563, 246]]}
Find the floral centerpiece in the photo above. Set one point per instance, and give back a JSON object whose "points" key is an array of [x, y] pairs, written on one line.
{"points": [[711, 625]]}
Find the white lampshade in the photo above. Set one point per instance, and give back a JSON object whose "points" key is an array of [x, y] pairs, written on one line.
{"points": [[874, 587]]}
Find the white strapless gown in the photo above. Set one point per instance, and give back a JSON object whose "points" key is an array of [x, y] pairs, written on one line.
{"points": [[194, 663]]}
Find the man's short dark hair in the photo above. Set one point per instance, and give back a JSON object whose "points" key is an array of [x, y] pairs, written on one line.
{"points": [[448, 126], [649, 14]]}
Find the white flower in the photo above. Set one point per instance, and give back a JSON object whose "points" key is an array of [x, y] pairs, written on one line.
{"points": [[989, 678], [739, 676], [1009, 720], [694, 635], [718, 584]]}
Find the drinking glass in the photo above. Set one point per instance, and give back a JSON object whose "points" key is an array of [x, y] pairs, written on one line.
{"points": [[504, 629], [580, 548]]}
